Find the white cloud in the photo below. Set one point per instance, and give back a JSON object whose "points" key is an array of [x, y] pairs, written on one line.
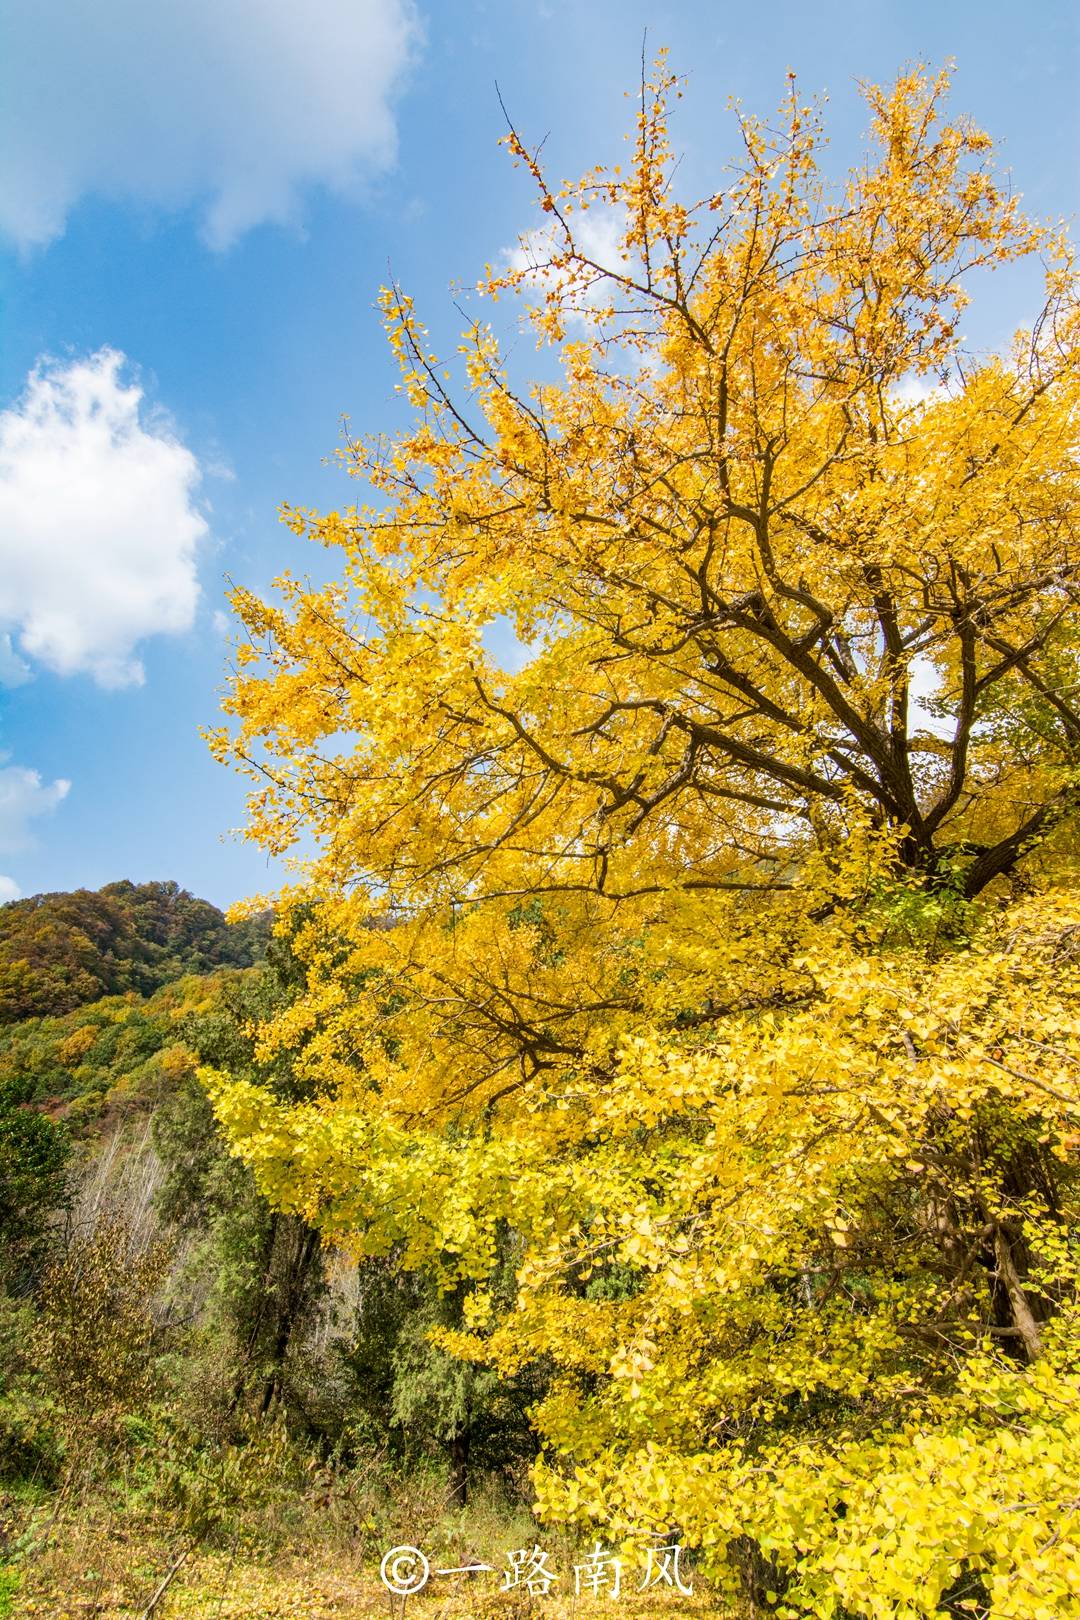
{"points": [[598, 235], [98, 526], [924, 685], [9, 889], [913, 389], [232, 105], [13, 669], [23, 796]]}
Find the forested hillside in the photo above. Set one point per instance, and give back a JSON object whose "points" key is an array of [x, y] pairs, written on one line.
{"points": [[58, 951]]}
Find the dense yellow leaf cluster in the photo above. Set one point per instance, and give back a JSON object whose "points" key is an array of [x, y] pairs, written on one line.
{"points": [[719, 965]]}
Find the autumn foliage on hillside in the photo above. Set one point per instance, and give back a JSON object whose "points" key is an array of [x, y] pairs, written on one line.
{"points": [[58, 951], [731, 1005]]}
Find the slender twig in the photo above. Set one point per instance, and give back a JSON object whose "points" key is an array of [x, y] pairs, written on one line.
{"points": [[166, 1582]]}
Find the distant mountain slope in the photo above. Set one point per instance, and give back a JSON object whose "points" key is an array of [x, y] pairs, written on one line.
{"points": [[118, 1055], [60, 951]]}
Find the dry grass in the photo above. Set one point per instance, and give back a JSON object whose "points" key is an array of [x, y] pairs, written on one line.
{"points": [[293, 1543], [95, 1569]]}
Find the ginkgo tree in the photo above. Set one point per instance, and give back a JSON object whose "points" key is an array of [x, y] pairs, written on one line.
{"points": [[716, 966]]}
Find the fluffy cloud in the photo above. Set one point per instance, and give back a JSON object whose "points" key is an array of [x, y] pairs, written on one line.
{"points": [[232, 105], [598, 234], [13, 669], [98, 526], [23, 796]]}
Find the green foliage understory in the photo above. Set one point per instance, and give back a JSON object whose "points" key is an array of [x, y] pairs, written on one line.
{"points": [[180, 1363]]}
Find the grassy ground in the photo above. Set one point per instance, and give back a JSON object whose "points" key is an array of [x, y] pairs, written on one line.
{"points": [[110, 1566], [215, 1587]]}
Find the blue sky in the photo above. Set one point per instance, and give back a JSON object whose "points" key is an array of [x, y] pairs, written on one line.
{"points": [[198, 204]]}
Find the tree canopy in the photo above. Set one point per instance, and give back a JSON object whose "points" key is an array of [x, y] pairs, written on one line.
{"points": [[726, 966]]}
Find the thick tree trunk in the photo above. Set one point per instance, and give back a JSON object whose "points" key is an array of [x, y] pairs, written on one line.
{"points": [[289, 1311], [266, 1259]]}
